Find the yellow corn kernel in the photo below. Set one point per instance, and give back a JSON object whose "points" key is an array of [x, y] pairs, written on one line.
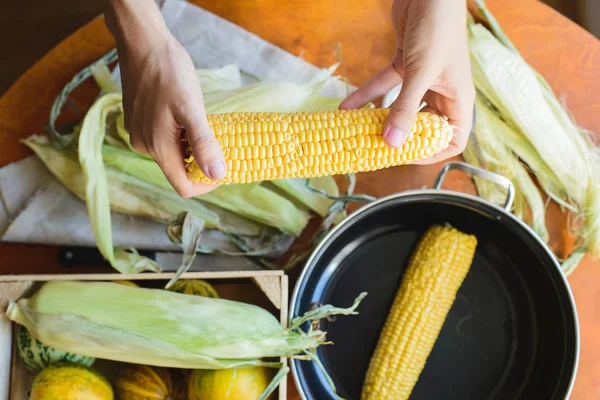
{"points": [[436, 270], [307, 137]]}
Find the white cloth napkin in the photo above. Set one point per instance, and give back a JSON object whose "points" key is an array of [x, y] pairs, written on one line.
{"points": [[36, 208], [214, 42], [55, 216]]}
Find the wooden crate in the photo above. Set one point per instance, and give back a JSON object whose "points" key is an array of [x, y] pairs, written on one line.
{"points": [[268, 289]]}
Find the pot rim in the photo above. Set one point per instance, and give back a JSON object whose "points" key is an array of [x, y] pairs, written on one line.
{"points": [[436, 192]]}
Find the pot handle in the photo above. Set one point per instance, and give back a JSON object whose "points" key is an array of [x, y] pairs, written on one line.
{"points": [[479, 173]]}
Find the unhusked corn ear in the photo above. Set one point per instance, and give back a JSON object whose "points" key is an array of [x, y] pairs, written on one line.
{"points": [[435, 272], [262, 146]]}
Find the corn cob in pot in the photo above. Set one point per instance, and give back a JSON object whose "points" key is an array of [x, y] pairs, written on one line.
{"points": [[429, 286]]}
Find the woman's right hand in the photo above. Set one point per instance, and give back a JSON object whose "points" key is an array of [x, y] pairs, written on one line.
{"points": [[162, 96]]}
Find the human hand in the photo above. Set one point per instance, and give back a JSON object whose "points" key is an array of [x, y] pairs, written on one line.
{"points": [[432, 63], [162, 96]]}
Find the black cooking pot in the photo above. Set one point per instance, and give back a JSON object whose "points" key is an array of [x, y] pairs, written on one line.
{"points": [[512, 332]]}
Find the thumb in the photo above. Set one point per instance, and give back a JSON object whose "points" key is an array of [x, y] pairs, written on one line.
{"points": [[205, 148], [403, 112]]}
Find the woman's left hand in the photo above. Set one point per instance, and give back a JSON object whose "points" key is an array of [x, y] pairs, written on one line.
{"points": [[432, 63]]}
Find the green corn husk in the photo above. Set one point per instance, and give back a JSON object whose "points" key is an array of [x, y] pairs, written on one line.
{"points": [[163, 328], [260, 204], [124, 140], [252, 201], [232, 222], [131, 196], [213, 80], [271, 96], [484, 45], [322, 103], [486, 150], [560, 154], [97, 198], [127, 195], [527, 152]]}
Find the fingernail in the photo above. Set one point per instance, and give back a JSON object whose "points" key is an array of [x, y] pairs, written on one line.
{"points": [[395, 137], [216, 171]]}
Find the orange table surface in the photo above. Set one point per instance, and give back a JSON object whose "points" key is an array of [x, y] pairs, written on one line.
{"points": [[566, 55]]}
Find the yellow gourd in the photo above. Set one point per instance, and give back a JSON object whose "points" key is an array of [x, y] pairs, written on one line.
{"points": [[196, 287], [142, 382], [70, 382], [229, 384]]}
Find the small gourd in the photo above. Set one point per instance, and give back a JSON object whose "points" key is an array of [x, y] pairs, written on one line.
{"points": [[35, 355], [142, 382], [70, 382], [196, 287], [232, 383]]}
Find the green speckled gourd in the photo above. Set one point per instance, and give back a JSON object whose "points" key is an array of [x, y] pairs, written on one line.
{"points": [[64, 381], [35, 355]]}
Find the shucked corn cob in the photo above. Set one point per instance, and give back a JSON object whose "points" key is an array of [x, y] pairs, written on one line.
{"points": [[436, 271], [269, 146]]}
